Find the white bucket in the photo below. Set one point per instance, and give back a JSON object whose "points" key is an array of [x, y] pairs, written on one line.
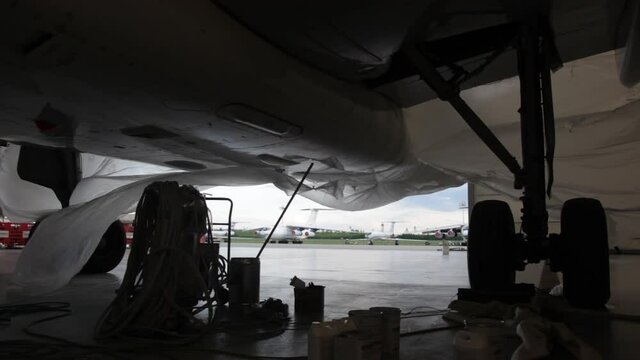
{"points": [[355, 346], [390, 331], [320, 343], [369, 324]]}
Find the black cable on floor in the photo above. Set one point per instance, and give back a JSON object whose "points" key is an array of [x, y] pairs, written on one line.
{"points": [[9, 311], [433, 309], [241, 355], [60, 348], [54, 347], [426, 331], [421, 315], [163, 287]]}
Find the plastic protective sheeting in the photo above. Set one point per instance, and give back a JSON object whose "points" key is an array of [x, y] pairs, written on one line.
{"points": [[356, 192], [24, 201], [65, 240], [102, 174], [597, 141]]}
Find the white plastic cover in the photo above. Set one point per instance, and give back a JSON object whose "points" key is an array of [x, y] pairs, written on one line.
{"points": [[597, 146], [66, 239]]}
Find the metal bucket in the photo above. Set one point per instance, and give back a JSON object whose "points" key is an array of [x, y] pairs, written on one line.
{"points": [[244, 281], [309, 299]]}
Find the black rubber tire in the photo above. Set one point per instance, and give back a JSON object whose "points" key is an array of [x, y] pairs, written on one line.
{"points": [[491, 246], [109, 252], [585, 247]]}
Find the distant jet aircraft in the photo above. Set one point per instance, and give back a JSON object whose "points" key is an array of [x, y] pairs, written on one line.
{"points": [[296, 233], [448, 231], [286, 232], [382, 235], [222, 232], [441, 233], [444, 233]]}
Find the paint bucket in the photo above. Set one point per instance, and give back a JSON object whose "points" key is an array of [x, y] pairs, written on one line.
{"points": [[369, 324], [309, 299], [320, 342], [355, 346], [390, 331], [244, 281], [322, 335]]}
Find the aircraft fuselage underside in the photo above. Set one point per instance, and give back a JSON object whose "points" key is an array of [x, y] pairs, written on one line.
{"points": [[207, 95]]}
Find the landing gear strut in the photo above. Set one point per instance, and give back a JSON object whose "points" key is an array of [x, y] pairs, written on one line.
{"points": [[495, 252]]}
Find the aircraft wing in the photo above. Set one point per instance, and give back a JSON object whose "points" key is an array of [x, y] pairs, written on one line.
{"points": [[448, 231], [312, 227], [308, 231], [454, 227]]}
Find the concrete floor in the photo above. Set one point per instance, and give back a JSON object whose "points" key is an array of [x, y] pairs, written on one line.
{"points": [[355, 278]]}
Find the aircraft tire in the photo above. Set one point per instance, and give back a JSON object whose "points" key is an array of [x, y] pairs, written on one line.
{"points": [[491, 246], [109, 252], [585, 246]]}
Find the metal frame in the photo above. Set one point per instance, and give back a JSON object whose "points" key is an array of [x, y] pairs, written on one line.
{"points": [[228, 224]]}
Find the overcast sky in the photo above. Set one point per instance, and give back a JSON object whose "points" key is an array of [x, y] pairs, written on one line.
{"points": [[260, 206]]}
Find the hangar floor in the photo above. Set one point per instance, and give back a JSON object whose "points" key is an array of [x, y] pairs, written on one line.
{"points": [[407, 278]]}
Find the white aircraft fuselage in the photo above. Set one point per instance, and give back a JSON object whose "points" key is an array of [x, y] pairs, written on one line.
{"points": [[189, 96], [286, 233]]}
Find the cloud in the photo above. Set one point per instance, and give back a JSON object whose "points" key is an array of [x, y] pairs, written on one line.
{"points": [[257, 206]]}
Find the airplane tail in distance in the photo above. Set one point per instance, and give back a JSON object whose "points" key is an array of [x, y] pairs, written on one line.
{"points": [[313, 215]]}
